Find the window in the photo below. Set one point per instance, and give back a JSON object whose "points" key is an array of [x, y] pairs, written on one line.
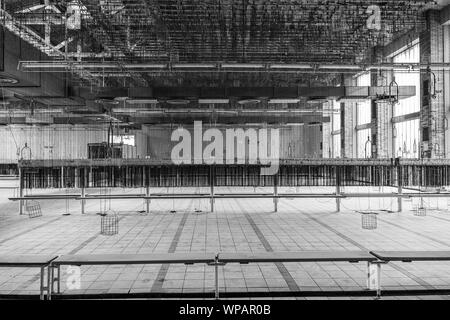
{"points": [[336, 126], [403, 78], [364, 109], [125, 140], [364, 116], [336, 146], [406, 133]]}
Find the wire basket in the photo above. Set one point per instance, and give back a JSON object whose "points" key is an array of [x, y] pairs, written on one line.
{"points": [[369, 221], [33, 208], [420, 211], [109, 225]]}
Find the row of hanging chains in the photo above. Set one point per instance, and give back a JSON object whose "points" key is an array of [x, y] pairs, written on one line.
{"points": [[109, 169]]}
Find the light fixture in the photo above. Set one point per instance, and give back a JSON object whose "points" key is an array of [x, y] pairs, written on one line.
{"points": [[193, 66], [316, 100], [142, 101], [290, 66], [248, 101], [242, 66], [179, 102], [213, 101], [8, 80], [282, 101], [339, 67]]}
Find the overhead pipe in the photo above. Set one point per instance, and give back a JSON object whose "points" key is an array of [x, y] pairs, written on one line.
{"points": [[61, 66]]}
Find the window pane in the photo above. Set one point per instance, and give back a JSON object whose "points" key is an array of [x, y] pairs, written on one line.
{"points": [[364, 144], [403, 78], [363, 109], [407, 139]]}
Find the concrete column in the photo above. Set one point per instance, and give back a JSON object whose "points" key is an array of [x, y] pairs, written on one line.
{"points": [[349, 132], [446, 88], [381, 124], [327, 138], [433, 110]]}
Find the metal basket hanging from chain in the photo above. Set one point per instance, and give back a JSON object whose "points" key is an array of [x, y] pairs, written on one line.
{"points": [[369, 220], [33, 208], [109, 224], [420, 211]]}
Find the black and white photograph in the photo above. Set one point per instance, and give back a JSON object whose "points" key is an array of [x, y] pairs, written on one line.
{"points": [[224, 156]]}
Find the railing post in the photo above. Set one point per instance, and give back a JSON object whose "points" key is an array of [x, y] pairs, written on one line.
{"points": [[212, 181], [83, 201], [338, 189], [147, 201], [216, 276], [20, 191], [400, 183], [275, 192], [62, 178], [50, 281], [379, 281], [42, 286]]}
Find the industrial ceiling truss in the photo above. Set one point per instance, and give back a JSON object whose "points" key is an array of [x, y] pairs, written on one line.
{"points": [[188, 35]]}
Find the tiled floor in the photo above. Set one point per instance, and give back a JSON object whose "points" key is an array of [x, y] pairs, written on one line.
{"points": [[235, 226]]}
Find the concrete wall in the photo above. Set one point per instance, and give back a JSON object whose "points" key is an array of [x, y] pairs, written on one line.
{"points": [[295, 141], [58, 142]]}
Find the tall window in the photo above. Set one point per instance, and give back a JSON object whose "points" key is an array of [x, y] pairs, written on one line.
{"points": [[364, 117], [364, 107], [406, 133], [336, 126]]}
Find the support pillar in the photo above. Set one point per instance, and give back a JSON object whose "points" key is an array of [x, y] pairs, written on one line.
{"points": [[446, 88]]}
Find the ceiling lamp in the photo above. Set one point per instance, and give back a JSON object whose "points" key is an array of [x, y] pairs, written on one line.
{"points": [[291, 66], [107, 101], [242, 66], [213, 101], [179, 102], [193, 66], [283, 101], [142, 101], [4, 80], [248, 101], [316, 100]]}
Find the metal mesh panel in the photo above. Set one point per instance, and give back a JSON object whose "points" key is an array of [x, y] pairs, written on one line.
{"points": [[109, 225], [33, 208], [420, 211], [369, 221]]}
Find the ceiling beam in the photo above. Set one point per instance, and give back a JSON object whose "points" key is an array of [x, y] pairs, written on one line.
{"points": [[242, 92]]}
